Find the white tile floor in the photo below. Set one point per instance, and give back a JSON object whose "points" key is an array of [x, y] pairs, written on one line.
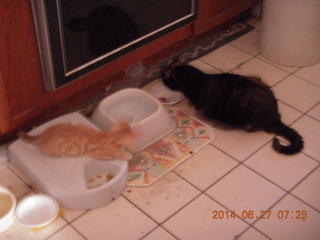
{"points": [[238, 172]]}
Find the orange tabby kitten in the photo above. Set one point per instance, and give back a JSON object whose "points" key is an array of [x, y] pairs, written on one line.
{"points": [[67, 139]]}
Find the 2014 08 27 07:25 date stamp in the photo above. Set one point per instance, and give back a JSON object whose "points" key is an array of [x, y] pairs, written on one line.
{"points": [[262, 214]]}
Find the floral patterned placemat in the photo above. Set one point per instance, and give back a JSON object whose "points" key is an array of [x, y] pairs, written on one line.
{"points": [[189, 136]]}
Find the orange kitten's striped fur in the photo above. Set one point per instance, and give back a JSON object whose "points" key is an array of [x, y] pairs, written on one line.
{"points": [[67, 139]]}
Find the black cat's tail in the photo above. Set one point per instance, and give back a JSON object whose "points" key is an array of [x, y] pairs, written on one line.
{"points": [[296, 141]]}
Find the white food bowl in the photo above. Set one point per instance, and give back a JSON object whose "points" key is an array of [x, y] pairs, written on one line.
{"points": [[37, 211], [146, 112], [7, 207]]}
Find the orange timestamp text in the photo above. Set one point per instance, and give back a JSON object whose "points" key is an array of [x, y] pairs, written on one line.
{"points": [[262, 214]]}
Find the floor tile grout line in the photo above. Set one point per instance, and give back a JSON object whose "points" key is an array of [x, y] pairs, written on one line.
{"points": [[149, 232], [216, 181], [269, 180], [253, 227], [240, 64], [251, 54], [145, 213], [251, 57], [275, 65], [77, 231], [62, 228], [301, 181], [167, 230], [309, 156], [158, 226], [78, 217], [307, 81], [139, 208], [9, 166], [292, 188], [175, 212], [255, 56], [309, 109], [308, 112], [303, 201], [179, 210], [247, 157], [280, 81], [300, 78], [290, 106], [58, 230]]}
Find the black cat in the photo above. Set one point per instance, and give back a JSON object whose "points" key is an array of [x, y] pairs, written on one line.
{"points": [[243, 102]]}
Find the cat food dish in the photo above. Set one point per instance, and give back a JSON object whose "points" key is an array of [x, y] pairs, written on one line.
{"points": [[7, 207], [146, 112], [37, 211], [165, 95], [66, 179]]}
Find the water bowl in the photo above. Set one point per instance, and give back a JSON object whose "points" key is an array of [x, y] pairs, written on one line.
{"points": [[146, 112]]}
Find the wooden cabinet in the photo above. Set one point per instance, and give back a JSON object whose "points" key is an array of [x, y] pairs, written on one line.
{"points": [[22, 94], [211, 13], [18, 66]]}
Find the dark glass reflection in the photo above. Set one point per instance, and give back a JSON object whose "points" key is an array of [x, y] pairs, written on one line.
{"points": [[94, 32]]}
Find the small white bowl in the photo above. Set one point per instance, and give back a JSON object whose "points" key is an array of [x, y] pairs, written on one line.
{"points": [[7, 207], [37, 211]]}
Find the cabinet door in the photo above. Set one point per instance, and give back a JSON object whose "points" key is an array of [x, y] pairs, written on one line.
{"points": [[15, 88], [211, 13]]}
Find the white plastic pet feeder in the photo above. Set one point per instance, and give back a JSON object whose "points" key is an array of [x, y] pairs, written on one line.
{"points": [[78, 183], [148, 114], [82, 183]]}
